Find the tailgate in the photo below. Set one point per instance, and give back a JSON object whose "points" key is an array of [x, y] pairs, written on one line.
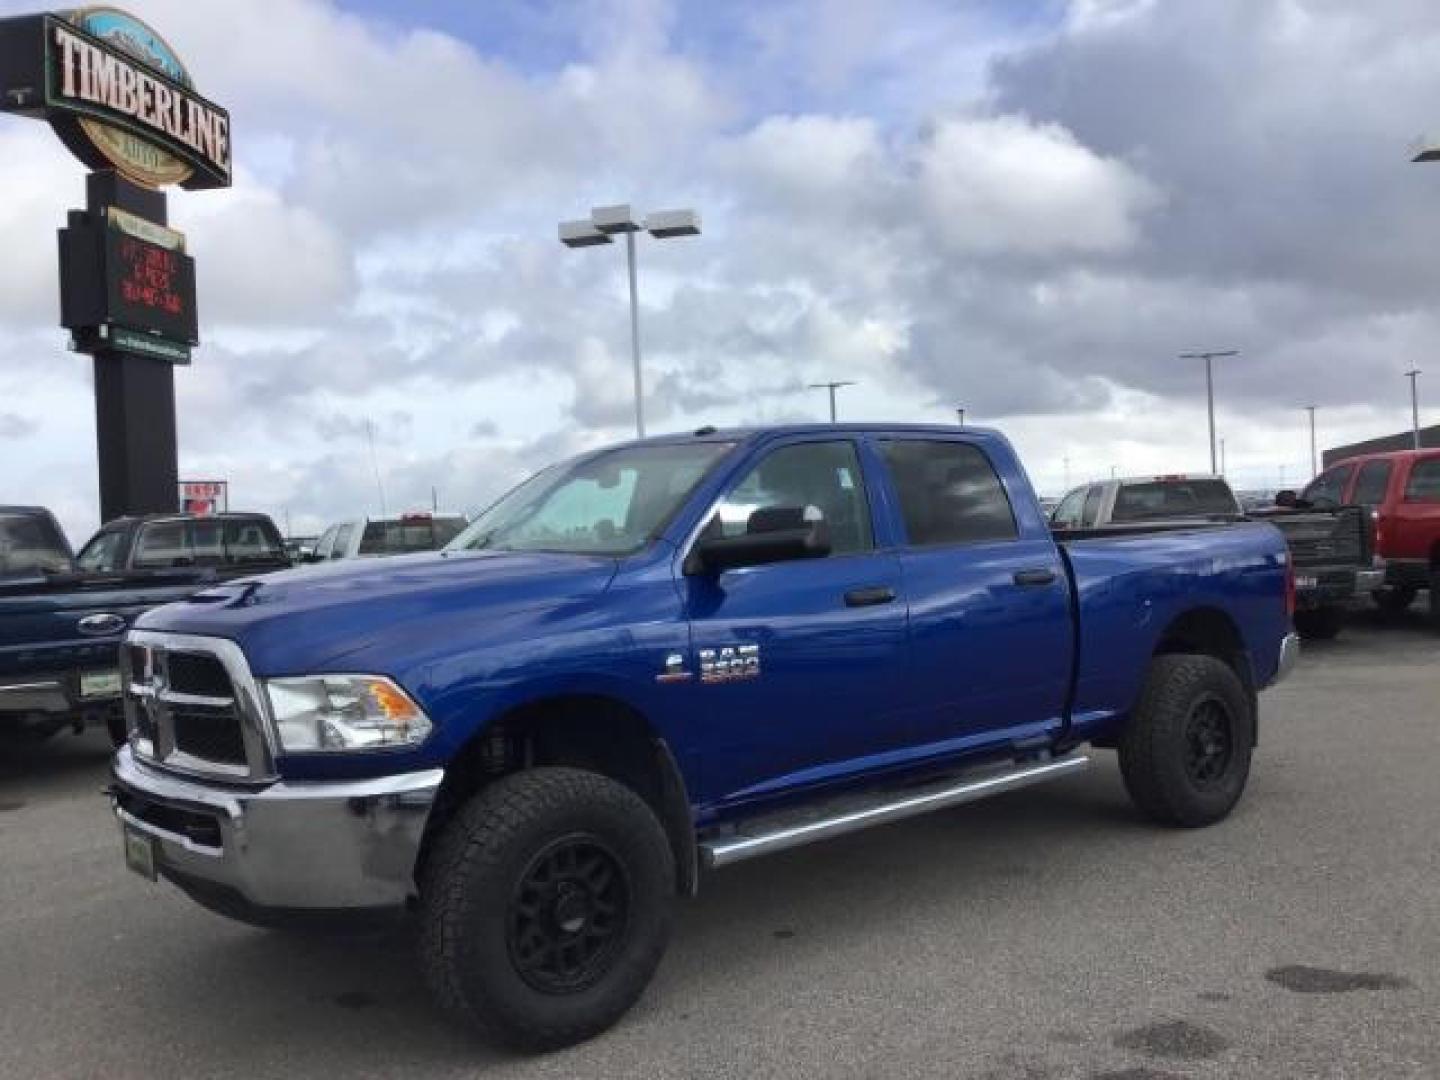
{"points": [[1325, 538], [40, 631]]}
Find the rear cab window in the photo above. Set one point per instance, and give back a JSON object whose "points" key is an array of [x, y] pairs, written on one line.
{"points": [[1423, 486], [409, 535], [31, 545], [1090, 515], [206, 542], [949, 493], [1162, 498]]}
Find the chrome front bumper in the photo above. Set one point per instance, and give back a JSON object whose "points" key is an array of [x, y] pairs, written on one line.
{"points": [[286, 847], [1289, 657]]}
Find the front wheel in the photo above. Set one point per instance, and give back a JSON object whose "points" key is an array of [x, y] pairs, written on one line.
{"points": [[546, 907], [1185, 754], [1319, 624]]}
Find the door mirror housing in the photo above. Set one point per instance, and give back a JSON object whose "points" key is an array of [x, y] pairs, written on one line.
{"points": [[1286, 498], [774, 534]]}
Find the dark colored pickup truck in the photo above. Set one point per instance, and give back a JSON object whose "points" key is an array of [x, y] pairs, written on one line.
{"points": [[61, 623], [664, 658]]}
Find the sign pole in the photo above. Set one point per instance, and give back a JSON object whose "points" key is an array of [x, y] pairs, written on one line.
{"points": [[134, 395]]}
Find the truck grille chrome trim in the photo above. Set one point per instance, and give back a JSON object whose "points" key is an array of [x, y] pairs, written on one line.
{"points": [[193, 707], [862, 812]]}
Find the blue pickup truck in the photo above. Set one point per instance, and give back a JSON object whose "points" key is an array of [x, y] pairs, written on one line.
{"points": [[661, 658]]}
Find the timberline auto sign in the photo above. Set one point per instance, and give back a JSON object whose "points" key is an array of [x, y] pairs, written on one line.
{"points": [[117, 94]]}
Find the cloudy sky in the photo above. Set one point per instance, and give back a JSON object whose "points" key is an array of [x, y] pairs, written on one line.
{"points": [[1024, 209]]}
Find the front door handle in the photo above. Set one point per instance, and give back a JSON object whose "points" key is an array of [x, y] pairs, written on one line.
{"points": [[869, 597], [1032, 578]]}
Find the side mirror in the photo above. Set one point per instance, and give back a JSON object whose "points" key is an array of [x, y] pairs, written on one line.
{"points": [[1286, 498], [772, 535]]}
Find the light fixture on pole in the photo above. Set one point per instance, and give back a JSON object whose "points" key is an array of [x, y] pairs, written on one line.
{"points": [[604, 222], [832, 387], [1210, 389], [1314, 466], [1414, 377]]}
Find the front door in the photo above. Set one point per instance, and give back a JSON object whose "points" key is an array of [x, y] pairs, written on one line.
{"points": [[797, 662]]}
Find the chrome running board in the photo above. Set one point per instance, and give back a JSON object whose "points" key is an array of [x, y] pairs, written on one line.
{"points": [[782, 831]]}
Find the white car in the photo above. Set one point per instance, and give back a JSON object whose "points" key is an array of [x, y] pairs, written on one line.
{"points": [[404, 535]]}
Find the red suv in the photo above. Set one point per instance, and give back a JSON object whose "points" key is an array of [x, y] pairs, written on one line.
{"points": [[1403, 490]]}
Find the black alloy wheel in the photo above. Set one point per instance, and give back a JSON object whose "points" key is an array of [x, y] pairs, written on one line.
{"points": [[568, 915], [1209, 742]]}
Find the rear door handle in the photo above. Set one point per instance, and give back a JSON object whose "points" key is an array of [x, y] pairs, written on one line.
{"points": [[869, 597], [1033, 578]]}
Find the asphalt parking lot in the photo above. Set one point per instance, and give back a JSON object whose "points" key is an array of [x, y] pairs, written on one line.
{"points": [[1046, 934]]}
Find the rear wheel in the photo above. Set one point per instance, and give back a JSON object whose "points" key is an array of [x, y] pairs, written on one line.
{"points": [[1395, 599], [546, 907], [1185, 755], [1319, 624], [1435, 597]]}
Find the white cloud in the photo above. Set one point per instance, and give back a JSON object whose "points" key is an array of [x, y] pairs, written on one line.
{"points": [[1003, 185]]}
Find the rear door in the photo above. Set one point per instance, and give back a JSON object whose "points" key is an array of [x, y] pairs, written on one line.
{"points": [[795, 664], [1414, 525], [990, 624]]}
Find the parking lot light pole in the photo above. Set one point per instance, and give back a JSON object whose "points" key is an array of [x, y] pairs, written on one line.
{"points": [[599, 228], [1414, 377], [1208, 357], [832, 387], [961, 412], [1314, 463]]}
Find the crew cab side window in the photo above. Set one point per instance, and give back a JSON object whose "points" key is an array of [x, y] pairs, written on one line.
{"points": [[342, 541], [1067, 514], [949, 493], [821, 478], [1424, 483], [102, 553], [1372, 483], [1328, 489]]}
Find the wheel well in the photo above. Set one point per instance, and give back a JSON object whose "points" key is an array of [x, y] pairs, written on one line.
{"points": [[1211, 632], [582, 731]]}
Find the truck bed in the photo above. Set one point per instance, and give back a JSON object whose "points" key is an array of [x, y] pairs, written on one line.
{"points": [[1132, 582]]}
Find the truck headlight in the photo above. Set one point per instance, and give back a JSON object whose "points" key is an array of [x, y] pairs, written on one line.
{"points": [[343, 712]]}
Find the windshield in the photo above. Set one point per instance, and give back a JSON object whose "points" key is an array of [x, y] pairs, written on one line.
{"points": [[1173, 498], [30, 545], [611, 503]]}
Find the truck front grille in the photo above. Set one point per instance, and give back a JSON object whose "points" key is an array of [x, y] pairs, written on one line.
{"points": [[191, 705]]}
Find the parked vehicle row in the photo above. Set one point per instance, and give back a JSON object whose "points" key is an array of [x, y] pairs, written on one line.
{"points": [[1333, 545], [663, 658], [1401, 492]]}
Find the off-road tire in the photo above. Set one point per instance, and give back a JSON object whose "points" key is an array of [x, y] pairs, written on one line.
{"points": [[472, 883], [1395, 599], [1153, 747], [1319, 624]]}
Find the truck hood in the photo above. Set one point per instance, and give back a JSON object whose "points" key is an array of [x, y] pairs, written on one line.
{"points": [[310, 619]]}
